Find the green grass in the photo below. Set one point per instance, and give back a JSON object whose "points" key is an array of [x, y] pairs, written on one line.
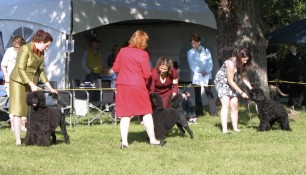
{"points": [[95, 150]]}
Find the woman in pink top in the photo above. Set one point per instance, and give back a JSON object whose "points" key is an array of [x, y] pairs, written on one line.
{"points": [[164, 80], [132, 98]]}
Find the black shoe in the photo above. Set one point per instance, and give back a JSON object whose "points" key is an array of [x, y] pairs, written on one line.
{"points": [[123, 146], [213, 115], [163, 142], [200, 115]]}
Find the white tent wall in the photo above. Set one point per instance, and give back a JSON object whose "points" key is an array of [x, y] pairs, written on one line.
{"points": [[51, 13], [54, 55]]}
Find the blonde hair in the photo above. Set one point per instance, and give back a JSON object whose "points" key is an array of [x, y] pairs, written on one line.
{"points": [[139, 40]]}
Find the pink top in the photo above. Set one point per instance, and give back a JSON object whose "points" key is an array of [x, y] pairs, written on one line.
{"points": [[136, 69]]}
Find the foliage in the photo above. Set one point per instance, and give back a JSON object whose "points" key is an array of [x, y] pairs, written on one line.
{"points": [[278, 13], [95, 150]]}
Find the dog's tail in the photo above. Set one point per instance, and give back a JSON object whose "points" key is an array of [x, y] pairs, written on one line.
{"points": [[281, 93], [273, 88]]}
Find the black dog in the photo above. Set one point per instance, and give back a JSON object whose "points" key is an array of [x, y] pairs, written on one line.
{"points": [[165, 119], [43, 120], [269, 111]]}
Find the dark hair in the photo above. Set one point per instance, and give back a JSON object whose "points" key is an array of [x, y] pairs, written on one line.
{"points": [[176, 65], [242, 53], [18, 40], [195, 37], [167, 62], [43, 36]]}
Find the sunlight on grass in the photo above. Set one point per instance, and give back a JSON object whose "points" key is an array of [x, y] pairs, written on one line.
{"points": [[95, 150]]}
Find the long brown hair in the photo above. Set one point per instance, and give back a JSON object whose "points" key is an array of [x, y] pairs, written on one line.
{"points": [[167, 61], [242, 53]]}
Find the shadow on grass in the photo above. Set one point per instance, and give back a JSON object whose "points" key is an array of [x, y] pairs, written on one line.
{"points": [[246, 117], [143, 137], [138, 136]]}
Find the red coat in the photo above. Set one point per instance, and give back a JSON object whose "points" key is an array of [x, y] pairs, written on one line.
{"points": [[166, 89], [133, 68]]}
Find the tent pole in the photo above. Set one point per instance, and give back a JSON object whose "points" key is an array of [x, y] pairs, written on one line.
{"points": [[69, 49]]}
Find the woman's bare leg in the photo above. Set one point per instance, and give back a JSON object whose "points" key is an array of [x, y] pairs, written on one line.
{"points": [[17, 129], [124, 130], [225, 101], [234, 113], [12, 121], [149, 125]]}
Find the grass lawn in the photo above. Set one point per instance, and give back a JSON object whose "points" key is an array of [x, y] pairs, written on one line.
{"points": [[95, 150]]}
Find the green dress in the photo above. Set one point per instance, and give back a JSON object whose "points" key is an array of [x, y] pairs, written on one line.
{"points": [[29, 68]]}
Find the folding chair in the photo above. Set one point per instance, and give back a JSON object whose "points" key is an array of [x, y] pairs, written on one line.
{"points": [[81, 103], [65, 100], [105, 105], [92, 108]]}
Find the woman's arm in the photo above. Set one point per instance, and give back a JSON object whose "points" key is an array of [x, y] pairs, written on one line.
{"points": [[5, 73], [230, 69], [174, 82], [152, 80], [4, 65], [48, 86], [246, 81]]}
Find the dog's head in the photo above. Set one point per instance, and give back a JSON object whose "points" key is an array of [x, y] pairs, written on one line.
{"points": [[156, 101], [36, 99], [176, 101], [257, 94]]}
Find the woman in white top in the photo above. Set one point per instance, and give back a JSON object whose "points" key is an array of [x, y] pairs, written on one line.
{"points": [[7, 64]]}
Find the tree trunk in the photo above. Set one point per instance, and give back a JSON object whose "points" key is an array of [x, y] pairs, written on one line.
{"points": [[239, 24]]}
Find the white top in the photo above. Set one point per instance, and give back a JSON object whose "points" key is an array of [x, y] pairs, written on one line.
{"points": [[198, 61], [9, 60]]}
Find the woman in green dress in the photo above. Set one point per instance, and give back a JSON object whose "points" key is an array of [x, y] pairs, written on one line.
{"points": [[29, 69]]}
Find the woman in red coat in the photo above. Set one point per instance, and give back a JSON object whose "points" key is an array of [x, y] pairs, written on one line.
{"points": [[164, 80], [133, 68]]}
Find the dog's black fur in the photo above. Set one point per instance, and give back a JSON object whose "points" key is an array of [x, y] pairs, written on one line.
{"points": [[43, 120], [165, 119], [269, 111]]}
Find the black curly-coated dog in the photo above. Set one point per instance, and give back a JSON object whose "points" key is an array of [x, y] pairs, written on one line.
{"points": [[269, 111], [43, 120], [165, 119]]}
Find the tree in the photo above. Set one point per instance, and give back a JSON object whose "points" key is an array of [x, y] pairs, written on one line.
{"points": [[278, 13], [239, 23]]}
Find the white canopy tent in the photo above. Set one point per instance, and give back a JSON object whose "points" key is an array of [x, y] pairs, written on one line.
{"points": [[66, 18]]}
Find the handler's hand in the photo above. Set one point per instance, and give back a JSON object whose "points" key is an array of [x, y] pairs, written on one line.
{"points": [[53, 91], [244, 95], [34, 87]]}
